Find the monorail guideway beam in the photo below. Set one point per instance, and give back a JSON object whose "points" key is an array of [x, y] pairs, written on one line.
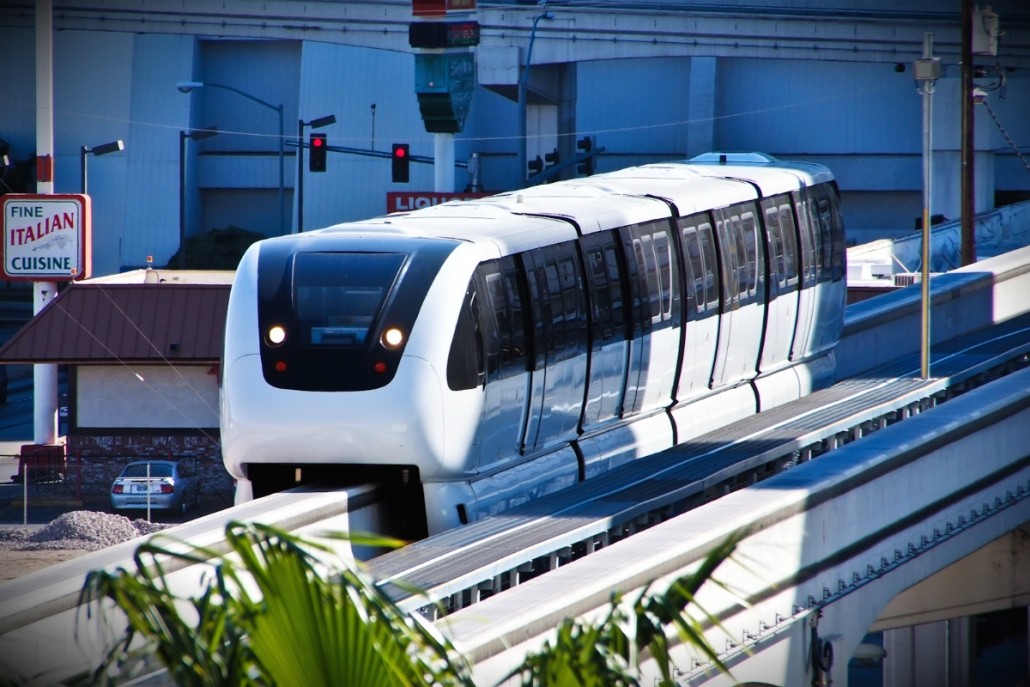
{"points": [[830, 543]]}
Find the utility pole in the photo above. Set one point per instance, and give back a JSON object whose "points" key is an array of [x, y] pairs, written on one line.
{"points": [[968, 146]]}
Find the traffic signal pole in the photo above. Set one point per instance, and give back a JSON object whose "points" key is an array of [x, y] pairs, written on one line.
{"points": [[300, 176]]}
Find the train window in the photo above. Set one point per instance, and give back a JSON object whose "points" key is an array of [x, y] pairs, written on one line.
{"points": [[790, 243], [606, 284], [646, 260], [838, 250], [655, 264], [708, 252], [699, 249], [608, 311], [465, 359], [338, 296], [504, 327], [749, 235], [779, 228], [519, 351], [743, 265], [558, 300], [553, 285], [664, 262], [827, 228], [809, 251], [496, 328]]}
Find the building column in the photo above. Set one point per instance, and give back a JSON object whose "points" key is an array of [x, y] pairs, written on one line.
{"points": [[701, 108], [940, 653]]}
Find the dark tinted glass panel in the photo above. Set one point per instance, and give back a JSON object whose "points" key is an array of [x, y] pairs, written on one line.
{"points": [[337, 296]]}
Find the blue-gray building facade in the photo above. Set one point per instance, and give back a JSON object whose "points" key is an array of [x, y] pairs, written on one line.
{"points": [[827, 81]]}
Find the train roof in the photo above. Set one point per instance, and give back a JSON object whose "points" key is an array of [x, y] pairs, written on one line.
{"points": [[772, 175], [489, 225], [516, 221]]}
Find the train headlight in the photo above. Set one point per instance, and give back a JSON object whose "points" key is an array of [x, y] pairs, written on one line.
{"points": [[392, 337], [276, 334]]}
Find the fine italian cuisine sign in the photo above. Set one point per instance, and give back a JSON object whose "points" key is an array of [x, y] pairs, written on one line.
{"points": [[46, 237]]}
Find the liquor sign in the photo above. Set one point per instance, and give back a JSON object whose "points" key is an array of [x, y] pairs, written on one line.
{"points": [[403, 201], [47, 237], [438, 8]]}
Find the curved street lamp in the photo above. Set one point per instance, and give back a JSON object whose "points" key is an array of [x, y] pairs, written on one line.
{"points": [[196, 135], [103, 149], [187, 86], [523, 78]]}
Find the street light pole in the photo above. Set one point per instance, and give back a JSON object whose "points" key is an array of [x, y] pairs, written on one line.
{"points": [[523, 78], [196, 135], [103, 149], [187, 86], [316, 123], [927, 71]]}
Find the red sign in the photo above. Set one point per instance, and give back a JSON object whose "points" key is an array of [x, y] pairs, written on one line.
{"points": [[404, 201], [438, 8]]}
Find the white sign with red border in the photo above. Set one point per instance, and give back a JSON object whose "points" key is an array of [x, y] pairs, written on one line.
{"points": [[46, 237]]}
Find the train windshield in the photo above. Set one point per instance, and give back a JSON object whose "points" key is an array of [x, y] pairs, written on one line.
{"points": [[338, 296]]}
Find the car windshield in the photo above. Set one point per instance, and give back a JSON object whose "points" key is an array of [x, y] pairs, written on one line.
{"points": [[140, 470]]}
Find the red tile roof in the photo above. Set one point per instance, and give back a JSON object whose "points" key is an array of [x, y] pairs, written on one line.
{"points": [[94, 322]]}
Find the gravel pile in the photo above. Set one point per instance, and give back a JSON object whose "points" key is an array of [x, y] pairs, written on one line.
{"points": [[81, 529]]}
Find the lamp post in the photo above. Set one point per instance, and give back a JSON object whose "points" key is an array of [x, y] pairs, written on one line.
{"points": [[927, 71], [187, 86], [196, 135], [523, 78], [102, 149], [316, 123]]}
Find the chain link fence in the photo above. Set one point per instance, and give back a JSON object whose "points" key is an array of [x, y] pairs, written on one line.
{"points": [[42, 490]]}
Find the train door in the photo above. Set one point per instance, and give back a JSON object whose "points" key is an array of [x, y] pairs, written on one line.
{"points": [[809, 254], [823, 295], [832, 299], [782, 316], [702, 309], [742, 317], [507, 356], [559, 325], [656, 316], [609, 345]]}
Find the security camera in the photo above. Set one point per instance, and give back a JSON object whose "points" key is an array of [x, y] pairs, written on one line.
{"points": [[979, 96]]}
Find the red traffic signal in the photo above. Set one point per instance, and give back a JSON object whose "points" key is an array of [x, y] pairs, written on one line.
{"points": [[401, 163], [318, 148]]}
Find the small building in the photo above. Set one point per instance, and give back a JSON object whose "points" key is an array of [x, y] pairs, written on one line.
{"points": [[141, 352]]}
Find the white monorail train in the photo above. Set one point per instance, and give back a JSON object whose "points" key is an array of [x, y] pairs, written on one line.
{"points": [[477, 354]]}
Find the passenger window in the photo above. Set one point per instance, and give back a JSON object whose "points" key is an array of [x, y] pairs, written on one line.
{"points": [[705, 234], [503, 323], [779, 228], [558, 300], [606, 284], [465, 368], [657, 269], [790, 243]]}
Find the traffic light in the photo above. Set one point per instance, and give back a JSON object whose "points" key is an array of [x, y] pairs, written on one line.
{"points": [[535, 166], [401, 163], [587, 166], [434, 34], [317, 149]]}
